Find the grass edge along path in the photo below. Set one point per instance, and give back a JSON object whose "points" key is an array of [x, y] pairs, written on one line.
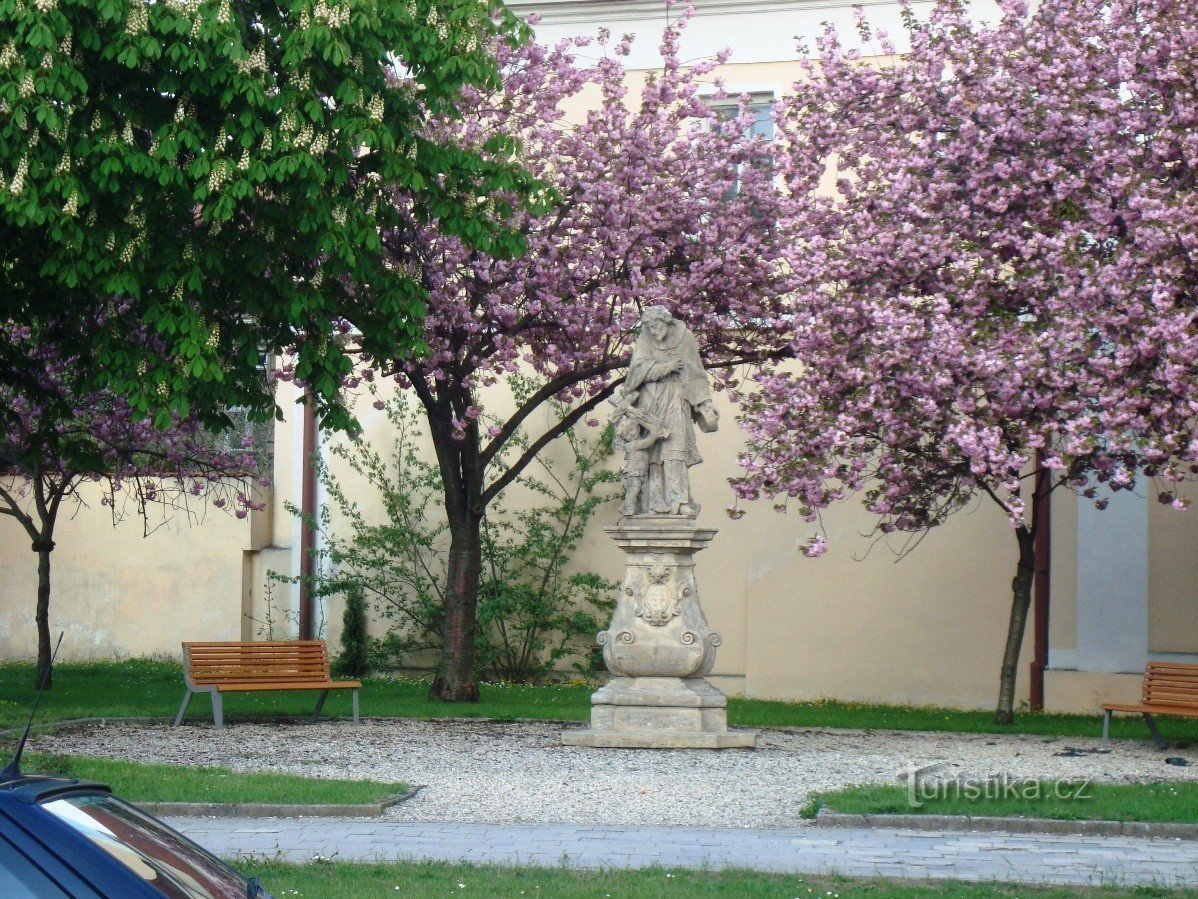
{"points": [[143, 782], [1174, 802], [365, 880], [146, 687]]}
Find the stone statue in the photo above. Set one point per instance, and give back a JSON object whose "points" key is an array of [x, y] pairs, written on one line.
{"points": [[658, 646], [665, 395]]}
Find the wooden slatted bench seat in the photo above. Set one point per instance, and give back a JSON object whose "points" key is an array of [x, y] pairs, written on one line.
{"points": [[1170, 688], [236, 667]]}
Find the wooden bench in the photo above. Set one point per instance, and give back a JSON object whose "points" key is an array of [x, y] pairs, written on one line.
{"points": [[1170, 688], [235, 667]]}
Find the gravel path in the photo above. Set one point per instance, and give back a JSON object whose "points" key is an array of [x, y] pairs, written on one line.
{"points": [[498, 772]]}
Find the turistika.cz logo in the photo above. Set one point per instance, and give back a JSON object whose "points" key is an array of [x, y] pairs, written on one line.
{"points": [[924, 785]]}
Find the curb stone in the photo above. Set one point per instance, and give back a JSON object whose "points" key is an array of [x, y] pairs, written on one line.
{"points": [[275, 810], [1155, 829]]}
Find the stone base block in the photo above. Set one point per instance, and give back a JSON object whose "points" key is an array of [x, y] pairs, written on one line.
{"points": [[659, 713], [731, 739]]}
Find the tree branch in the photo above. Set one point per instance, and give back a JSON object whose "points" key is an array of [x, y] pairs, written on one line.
{"points": [[534, 402], [568, 421], [13, 508]]}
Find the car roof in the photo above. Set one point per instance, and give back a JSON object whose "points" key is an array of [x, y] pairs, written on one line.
{"points": [[58, 848], [31, 788], [74, 862]]}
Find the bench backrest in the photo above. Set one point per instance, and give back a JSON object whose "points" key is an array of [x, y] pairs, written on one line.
{"points": [[274, 661], [1171, 683]]}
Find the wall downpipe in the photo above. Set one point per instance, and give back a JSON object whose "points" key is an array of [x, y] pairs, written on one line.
{"points": [[1042, 525], [307, 531]]}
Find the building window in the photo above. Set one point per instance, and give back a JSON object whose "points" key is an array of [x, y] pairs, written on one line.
{"points": [[761, 105]]}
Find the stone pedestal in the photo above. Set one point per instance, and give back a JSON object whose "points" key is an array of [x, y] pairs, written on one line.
{"points": [[659, 648]]}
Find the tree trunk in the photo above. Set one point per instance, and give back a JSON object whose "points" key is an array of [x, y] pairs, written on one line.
{"points": [[463, 470], [455, 681], [1021, 601], [44, 673]]}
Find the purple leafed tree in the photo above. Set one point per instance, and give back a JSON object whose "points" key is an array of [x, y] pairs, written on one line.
{"points": [[648, 198], [1006, 273], [56, 441]]}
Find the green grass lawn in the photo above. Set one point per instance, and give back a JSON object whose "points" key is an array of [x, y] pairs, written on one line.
{"points": [[332, 880], [141, 687], [1172, 802], [172, 783]]}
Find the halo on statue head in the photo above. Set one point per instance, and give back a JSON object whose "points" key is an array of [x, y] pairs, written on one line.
{"points": [[671, 335], [656, 312]]}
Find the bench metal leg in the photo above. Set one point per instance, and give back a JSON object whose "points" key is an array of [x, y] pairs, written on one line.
{"points": [[355, 701], [319, 705], [1106, 727], [1156, 731], [182, 709], [218, 710]]}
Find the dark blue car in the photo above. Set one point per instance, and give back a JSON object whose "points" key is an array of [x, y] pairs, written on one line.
{"points": [[61, 837]]}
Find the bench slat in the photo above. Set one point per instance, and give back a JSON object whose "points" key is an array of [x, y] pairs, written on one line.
{"points": [[1154, 708], [237, 677], [259, 660], [276, 659], [1166, 684], [1161, 680], [265, 646], [1178, 690], [306, 685], [249, 659], [258, 665], [260, 654]]}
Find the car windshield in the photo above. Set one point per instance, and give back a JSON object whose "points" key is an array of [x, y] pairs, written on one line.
{"points": [[174, 865]]}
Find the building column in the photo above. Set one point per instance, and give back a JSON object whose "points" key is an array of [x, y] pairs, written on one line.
{"points": [[1112, 583]]}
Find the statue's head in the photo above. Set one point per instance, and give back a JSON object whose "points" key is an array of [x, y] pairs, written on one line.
{"points": [[656, 320]]}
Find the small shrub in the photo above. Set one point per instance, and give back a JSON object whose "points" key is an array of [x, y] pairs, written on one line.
{"points": [[353, 661]]}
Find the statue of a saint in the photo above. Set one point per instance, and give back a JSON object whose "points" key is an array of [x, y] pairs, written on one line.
{"points": [[665, 395]]}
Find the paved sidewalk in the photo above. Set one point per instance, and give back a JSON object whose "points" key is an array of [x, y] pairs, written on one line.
{"points": [[860, 852]]}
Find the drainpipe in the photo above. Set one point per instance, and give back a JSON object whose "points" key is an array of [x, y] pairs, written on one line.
{"points": [[1042, 524], [307, 531]]}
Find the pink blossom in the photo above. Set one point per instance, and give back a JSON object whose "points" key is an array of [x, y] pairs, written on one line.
{"points": [[815, 547]]}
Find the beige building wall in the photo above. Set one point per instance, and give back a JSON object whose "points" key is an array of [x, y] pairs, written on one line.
{"points": [[269, 607], [117, 593], [925, 629], [1173, 576]]}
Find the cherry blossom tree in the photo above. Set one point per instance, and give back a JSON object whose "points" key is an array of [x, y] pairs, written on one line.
{"points": [[648, 199], [1006, 274], [57, 439]]}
